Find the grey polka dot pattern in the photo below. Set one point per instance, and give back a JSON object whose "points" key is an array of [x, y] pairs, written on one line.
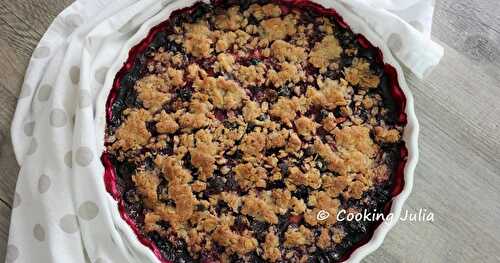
{"points": [[84, 156], [33, 146], [73, 20], [395, 42], [68, 159], [84, 99], [417, 25], [69, 223], [17, 200], [88, 210], [28, 128], [58, 118], [12, 254], [41, 52], [74, 74], [44, 183], [39, 232], [25, 91], [100, 74], [44, 92]]}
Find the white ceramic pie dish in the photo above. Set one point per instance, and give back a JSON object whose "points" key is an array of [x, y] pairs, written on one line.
{"points": [[410, 136]]}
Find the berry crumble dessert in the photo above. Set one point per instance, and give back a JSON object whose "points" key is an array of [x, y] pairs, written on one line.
{"points": [[234, 123]]}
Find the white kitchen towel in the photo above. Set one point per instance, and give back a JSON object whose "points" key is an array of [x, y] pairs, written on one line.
{"points": [[62, 212]]}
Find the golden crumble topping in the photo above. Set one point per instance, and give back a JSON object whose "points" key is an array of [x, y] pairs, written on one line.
{"points": [[360, 74], [231, 20], [152, 92], [147, 183], [224, 63], [278, 28], [259, 209], [251, 75], [249, 176], [271, 247], [288, 73], [325, 52], [387, 135], [285, 109], [324, 239], [297, 237], [198, 41], [223, 93], [306, 127], [330, 95], [133, 132], [246, 122], [284, 51], [166, 123]]}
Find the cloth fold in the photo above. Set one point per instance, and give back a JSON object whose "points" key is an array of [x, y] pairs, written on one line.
{"points": [[62, 212]]}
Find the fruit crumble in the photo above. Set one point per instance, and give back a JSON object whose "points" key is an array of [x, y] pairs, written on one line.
{"points": [[239, 123]]}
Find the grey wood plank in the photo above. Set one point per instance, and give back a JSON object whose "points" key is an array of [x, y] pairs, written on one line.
{"points": [[472, 27], [4, 229]]}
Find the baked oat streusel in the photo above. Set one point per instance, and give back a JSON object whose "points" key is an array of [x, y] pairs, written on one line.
{"points": [[240, 123]]}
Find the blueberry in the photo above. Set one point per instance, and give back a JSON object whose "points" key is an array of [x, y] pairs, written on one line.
{"points": [[333, 256], [346, 61], [309, 151], [285, 92], [131, 196], [332, 74], [169, 202], [230, 125], [252, 20], [231, 184], [283, 168], [355, 226], [254, 61], [323, 114], [185, 94], [173, 47], [250, 127], [215, 185], [260, 229], [283, 224], [321, 164], [363, 114], [302, 192], [377, 69], [367, 53], [278, 184], [244, 4], [271, 95], [240, 224], [163, 224], [200, 207]]}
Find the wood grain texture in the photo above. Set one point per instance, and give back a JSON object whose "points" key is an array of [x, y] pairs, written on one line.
{"points": [[458, 107]]}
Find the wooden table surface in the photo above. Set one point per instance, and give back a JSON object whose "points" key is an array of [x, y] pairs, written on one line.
{"points": [[458, 106]]}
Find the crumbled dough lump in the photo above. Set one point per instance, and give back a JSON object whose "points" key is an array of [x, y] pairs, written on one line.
{"points": [[242, 124]]}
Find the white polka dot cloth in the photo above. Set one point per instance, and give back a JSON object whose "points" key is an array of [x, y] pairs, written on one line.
{"points": [[62, 212]]}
